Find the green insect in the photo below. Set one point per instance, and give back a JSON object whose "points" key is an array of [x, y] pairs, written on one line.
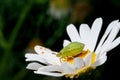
{"points": [[72, 49]]}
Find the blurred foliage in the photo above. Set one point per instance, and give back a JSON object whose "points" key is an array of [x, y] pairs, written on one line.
{"points": [[25, 23]]}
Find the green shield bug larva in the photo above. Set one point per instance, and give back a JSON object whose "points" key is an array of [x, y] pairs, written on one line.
{"points": [[72, 49]]}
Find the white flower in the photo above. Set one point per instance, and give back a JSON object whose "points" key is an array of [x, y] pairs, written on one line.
{"points": [[47, 63], [59, 8], [57, 13]]}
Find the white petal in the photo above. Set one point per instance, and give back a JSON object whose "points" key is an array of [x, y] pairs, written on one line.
{"points": [[52, 59], [73, 33], [87, 59], [110, 46], [50, 70], [112, 35], [95, 30], [68, 68], [101, 60], [34, 66], [42, 50], [49, 55], [78, 63], [108, 30], [64, 68], [34, 57], [115, 43], [49, 73], [85, 35], [65, 43]]}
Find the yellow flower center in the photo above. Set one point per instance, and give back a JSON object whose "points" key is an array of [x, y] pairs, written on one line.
{"points": [[70, 59], [93, 59], [85, 68]]}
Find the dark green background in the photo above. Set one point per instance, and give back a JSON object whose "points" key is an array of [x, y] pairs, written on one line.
{"points": [[23, 20]]}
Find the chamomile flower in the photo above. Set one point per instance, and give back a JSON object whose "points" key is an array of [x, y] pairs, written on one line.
{"points": [[59, 8], [46, 62]]}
